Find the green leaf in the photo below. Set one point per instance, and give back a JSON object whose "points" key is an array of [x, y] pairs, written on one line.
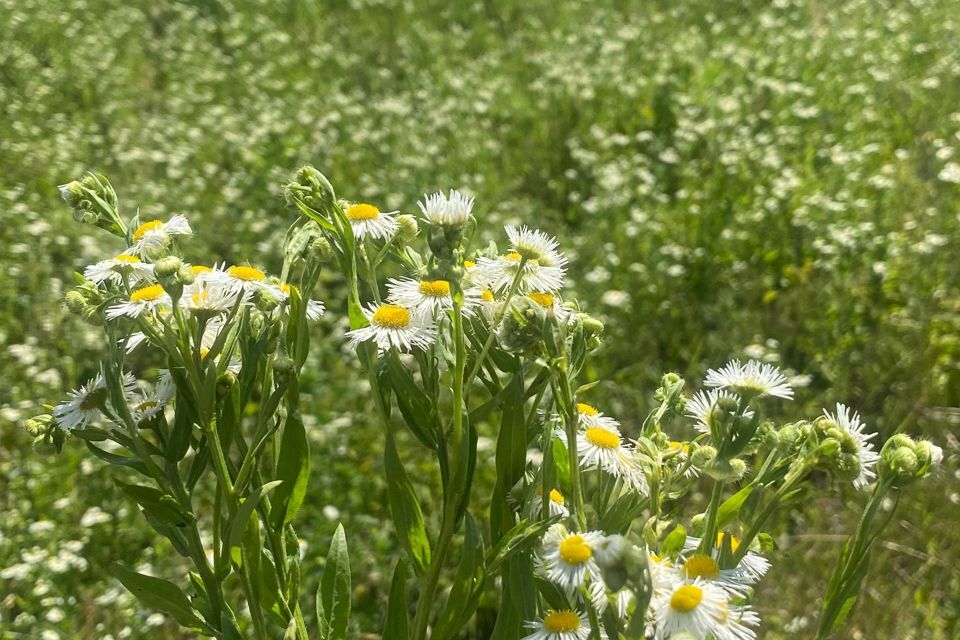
{"points": [[673, 543], [415, 406], [156, 504], [239, 521], [511, 457], [333, 595], [405, 509], [123, 461], [467, 585], [396, 625], [161, 595], [731, 506], [293, 469]]}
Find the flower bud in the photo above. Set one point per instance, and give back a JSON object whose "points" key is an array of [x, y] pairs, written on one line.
{"points": [[225, 382], [321, 250], [592, 327], [284, 369], [929, 455], [702, 455], [408, 229], [75, 302], [166, 267], [725, 470], [93, 201], [311, 187]]}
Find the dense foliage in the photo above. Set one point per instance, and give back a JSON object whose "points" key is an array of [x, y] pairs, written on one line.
{"points": [[780, 180]]}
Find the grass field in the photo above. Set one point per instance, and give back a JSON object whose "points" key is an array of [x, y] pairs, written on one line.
{"points": [[772, 180]]}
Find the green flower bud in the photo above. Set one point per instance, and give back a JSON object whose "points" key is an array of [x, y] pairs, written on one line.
{"points": [[284, 369], [408, 229], [725, 470], [321, 250], [312, 188], [185, 276], [929, 455], [899, 463], [702, 455], [591, 326], [738, 467], [166, 267], [75, 302], [225, 382]]}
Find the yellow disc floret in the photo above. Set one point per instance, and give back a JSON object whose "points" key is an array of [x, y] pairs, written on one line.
{"points": [[701, 566], [586, 409], [150, 225], [197, 269], [543, 299], [513, 256], [247, 273], [556, 497], [363, 211], [686, 598], [391, 316], [575, 550], [734, 542], [435, 288], [147, 294], [561, 621], [123, 257], [487, 295], [602, 438]]}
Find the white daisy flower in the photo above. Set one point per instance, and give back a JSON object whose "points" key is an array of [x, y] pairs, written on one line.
{"points": [[850, 423], [556, 505], [115, 269], [500, 272], [696, 608], [83, 405], [449, 211], [153, 235], [751, 379], [150, 405], [367, 220], [751, 568], [601, 447], [559, 625], [315, 308], [428, 298], [149, 299], [736, 625], [568, 558], [394, 326], [551, 304], [590, 416], [700, 407], [204, 298], [241, 277], [535, 245]]}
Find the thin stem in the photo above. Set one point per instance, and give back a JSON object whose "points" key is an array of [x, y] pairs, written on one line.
{"points": [[710, 531]]}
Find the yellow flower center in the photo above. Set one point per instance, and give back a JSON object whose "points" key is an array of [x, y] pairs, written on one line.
{"points": [[363, 212], [127, 258], [542, 299], [734, 542], [200, 297], [144, 406], [487, 295], [575, 550], [603, 438], [556, 497], [197, 269], [147, 294], [391, 316], [513, 256], [435, 288], [203, 352], [150, 225], [469, 264], [701, 566], [561, 621], [586, 409], [246, 273], [686, 598]]}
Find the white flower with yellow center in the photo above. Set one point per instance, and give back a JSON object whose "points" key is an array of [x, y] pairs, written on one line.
{"points": [[85, 404], [148, 299], [556, 505], [315, 308], [243, 277], [499, 273], [559, 625], [153, 235], [850, 423], [535, 245], [700, 407], [751, 568], [602, 447], [149, 405], [696, 607], [448, 211], [753, 379], [590, 416], [393, 326], [367, 220], [117, 268], [568, 558], [428, 298], [205, 298], [551, 304]]}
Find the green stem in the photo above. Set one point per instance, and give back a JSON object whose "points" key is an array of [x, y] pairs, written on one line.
{"points": [[793, 476], [565, 404], [710, 531]]}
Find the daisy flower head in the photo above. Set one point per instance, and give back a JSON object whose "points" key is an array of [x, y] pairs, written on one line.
{"points": [[753, 379], [447, 211], [551, 304], [602, 447], [394, 326], [315, 308], [535, 245], [153, 235], [695, 607], [562, 624], [150, 405], [751, 568], [499, 273], [250, 280], [568, 558], [556, 504], [148, 299], [426, 298], [205, 298], [84, 404], [115, 269], [700, 407], [590, 416], [856, 441], [368, 220]]}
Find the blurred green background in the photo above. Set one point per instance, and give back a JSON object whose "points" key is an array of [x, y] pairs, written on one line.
{"points": [[773, 180]]}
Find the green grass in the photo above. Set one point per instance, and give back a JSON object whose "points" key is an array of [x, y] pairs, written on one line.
{"points": [[749, 178]]}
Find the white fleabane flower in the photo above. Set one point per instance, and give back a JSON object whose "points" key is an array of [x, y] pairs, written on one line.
{"points": [[551, 304], [602, 447], [241, 277], [499, 273], [751, 568], [115, 269], [367, 220], [83, 405], [535, 245], [568, 558], [147, 299], [590, 416], [559, 625], [697, 608], [851, 424], [556, 504], [149, 405], [153, 235], [205, 298], [751, 379], [449, 211], [428, 298], [700, 407], [394, 326]]}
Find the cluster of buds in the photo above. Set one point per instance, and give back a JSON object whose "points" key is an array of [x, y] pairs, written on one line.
{"points": [[93, 201], [904, 460]]}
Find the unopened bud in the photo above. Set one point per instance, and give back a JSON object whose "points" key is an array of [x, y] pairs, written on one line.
{"points": [[225, 382], [408, 228], [702, 456], [284, 369], [166, 267], [75, 302], [321, 250]]}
